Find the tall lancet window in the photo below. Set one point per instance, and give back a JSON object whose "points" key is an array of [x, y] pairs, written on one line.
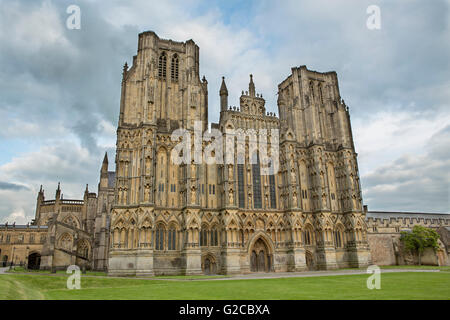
{"points": [[320, 94], [273, 196], [256, 181], [311, 89], [162, 65], [174, 68], [241, 186]]}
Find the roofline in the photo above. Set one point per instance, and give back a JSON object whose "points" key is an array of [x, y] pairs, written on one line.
{"points": [[406, 212]]}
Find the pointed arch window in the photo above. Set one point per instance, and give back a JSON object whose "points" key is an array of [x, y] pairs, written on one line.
{"points": [[338, 239], [311, 89], [83, 249], [174, 68], [273, 197], [172, 238], [162, 65], [241, 186], [204, 237], [320, 94], [307, 237], [66, 242], [256, 173], [159, 238], [214, 240]]}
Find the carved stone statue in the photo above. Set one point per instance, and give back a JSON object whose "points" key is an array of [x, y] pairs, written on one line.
{"points": [[193, 195], [230, 172], [125, 193], [293, 177], [147, 166], [193, 170], [294, 200], [147, 193]]}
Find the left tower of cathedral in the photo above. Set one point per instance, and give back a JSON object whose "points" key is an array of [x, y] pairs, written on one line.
{"points": [[161, 92]]}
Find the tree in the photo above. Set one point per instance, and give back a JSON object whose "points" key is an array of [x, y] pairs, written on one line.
{"points": [[420, 238]]}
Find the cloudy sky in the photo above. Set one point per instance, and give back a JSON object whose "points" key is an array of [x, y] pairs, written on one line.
{"points": [[60, 88]]}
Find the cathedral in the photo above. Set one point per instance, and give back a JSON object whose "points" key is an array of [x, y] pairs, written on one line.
{"points": [[153, 216]]}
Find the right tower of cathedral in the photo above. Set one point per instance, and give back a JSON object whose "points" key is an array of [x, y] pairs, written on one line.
{"points": [[319, 166]]}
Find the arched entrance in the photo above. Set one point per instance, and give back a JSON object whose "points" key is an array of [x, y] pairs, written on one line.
{"points": [[260, 259], [34, 261], [83, 253], [5, 260], [309, 260], [209, 265]]}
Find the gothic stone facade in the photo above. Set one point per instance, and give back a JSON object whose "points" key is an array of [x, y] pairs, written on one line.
{"points": [[151, 216], [229, 218]]}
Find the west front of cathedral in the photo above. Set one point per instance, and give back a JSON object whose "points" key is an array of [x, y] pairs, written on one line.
{"points": [[153, 217]]}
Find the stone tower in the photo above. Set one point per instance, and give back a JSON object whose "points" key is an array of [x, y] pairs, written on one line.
{"points": [[161, 92], [319, 164]]}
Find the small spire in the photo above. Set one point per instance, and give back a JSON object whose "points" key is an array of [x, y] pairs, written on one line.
{"points": [[58, 192], [124, 72], [251, 86], [223, 88], [87, 188], [104, 168], [40, 190]]}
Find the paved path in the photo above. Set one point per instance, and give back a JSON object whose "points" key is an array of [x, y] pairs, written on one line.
{"points": [[259, 275], [272, 275], [2, 270]]}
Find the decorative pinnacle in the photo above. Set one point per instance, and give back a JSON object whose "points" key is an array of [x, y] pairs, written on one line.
{"points": [[223, 88], [125, 69], [251, 86]]}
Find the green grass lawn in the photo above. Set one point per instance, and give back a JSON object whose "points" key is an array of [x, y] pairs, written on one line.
{"points": [[104, 274], [22, 270], [408, 285], [441, 268]]}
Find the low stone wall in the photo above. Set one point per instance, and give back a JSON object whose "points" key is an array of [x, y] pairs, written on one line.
{"points": [[382, 248], [387, 249]]}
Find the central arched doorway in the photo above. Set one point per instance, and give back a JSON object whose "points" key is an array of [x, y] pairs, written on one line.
{"points": [[260, 258], [34, 261]]}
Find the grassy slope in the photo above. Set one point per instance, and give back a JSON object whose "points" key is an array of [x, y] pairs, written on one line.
{"points": [[409, 285]]}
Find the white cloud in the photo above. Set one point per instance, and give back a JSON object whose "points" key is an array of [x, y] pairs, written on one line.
{"points": [[19, 217], [33, 28], [387, 135]]}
